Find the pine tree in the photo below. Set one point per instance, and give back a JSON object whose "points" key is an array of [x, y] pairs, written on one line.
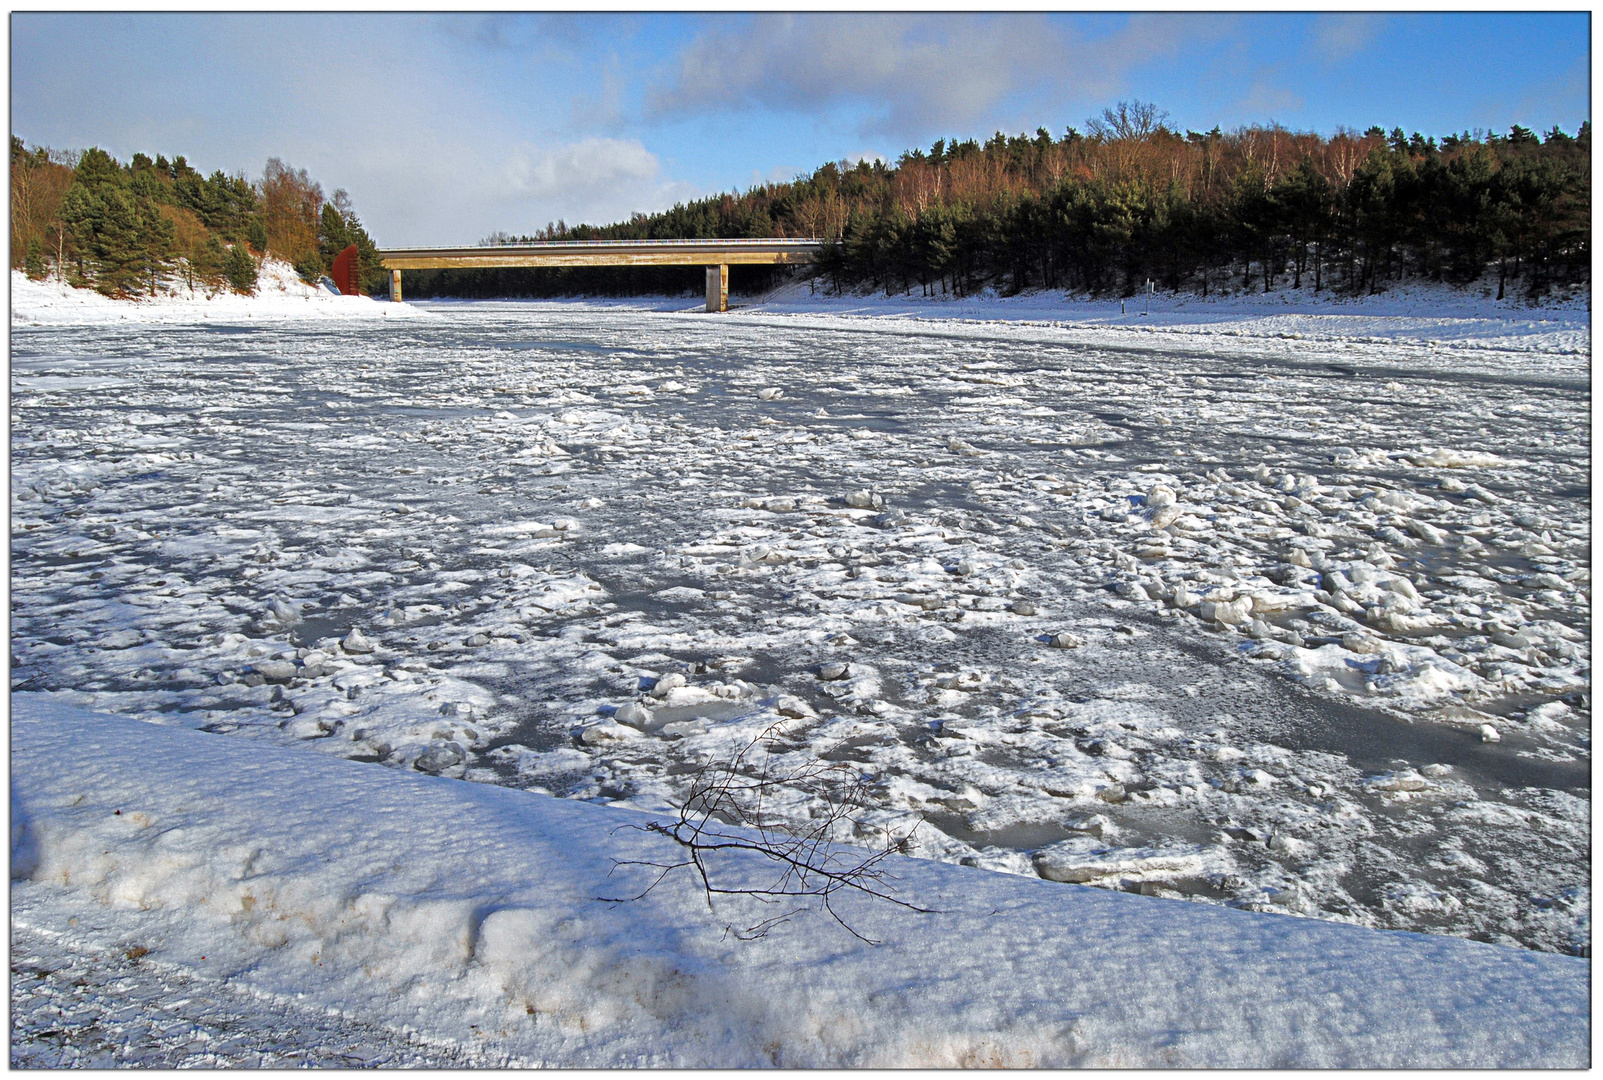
{"points": [[104, 226], [310, 268], [1303, 210], [155, 242], [206, 260], [128, 240], [35, 265], [333, 236], [240, 269]]}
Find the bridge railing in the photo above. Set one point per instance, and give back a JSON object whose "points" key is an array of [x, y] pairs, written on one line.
{"points": [[744, 241], [712, 244]]}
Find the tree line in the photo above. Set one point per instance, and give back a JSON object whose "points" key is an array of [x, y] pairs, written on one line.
{"points": [[125, 229], [1131, 200]]}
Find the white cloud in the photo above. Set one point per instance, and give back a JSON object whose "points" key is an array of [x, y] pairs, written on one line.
{"points": [[1336, 37], [910, 71], [430, 145], [1264, 100], [563, 171]]}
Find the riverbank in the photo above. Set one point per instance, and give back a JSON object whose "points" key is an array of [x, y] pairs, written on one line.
{"points": [[1417, 314], [473, 920], [280, 294]]}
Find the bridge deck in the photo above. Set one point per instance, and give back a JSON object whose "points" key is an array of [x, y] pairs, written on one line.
{"points": [[606, 253]]}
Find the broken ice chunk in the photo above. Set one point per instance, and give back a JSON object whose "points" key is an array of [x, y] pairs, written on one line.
{"points": [[1070, 862], [439, 757], [670, 681], [1227, 611], [681, 729], [605, 732], [1402, 780], [284, 613], [275, 671], [1426, 531], [634, 714], [791, 707]]}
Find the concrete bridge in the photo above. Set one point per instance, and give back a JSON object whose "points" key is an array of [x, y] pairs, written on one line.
{"points": [[716, 255]]}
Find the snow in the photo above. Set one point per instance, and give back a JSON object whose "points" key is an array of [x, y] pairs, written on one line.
{"points": [[1200, 610], [1466, 326], [107, 1008], [280, 295], [424, 919], [1435, 316]]}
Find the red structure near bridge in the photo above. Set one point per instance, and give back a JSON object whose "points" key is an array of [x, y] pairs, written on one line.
{"points": [[347, 272]]}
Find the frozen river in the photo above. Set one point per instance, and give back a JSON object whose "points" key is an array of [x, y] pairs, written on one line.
{"points": [[1286, 625]]}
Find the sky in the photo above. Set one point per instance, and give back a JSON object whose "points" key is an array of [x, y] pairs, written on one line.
{"points": [[445, 128]]}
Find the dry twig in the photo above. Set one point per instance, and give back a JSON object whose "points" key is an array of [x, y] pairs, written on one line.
{"points": [[726, 811]]}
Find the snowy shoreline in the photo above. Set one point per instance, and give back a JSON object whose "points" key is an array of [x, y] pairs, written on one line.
{"points": [[1436, 316], [280, 295], [467, 914]]}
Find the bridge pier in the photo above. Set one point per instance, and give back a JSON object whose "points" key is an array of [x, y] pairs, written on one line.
{"points": [[718, 287], [395, 286]]}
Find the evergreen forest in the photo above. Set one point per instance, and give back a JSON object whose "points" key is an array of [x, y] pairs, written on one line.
{"points": [[131, 229], [1131, 200]]}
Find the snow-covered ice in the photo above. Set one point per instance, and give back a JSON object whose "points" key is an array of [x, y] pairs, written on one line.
{"points": [[457, 923], [1194, 609]]}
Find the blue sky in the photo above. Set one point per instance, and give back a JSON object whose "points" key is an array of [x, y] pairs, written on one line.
{"points": [[446, 127]]}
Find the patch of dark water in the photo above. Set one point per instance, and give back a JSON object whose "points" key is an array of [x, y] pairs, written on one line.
{"points": [[1373, 741], [318, 627]]}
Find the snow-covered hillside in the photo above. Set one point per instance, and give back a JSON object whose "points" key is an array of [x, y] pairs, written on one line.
{"points": [[472, 917], [280, 294]]}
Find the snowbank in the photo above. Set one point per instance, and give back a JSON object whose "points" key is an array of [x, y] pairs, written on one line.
{"points": [[1415, 312], [1424, 315], [470, 914], [280, 294]]}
